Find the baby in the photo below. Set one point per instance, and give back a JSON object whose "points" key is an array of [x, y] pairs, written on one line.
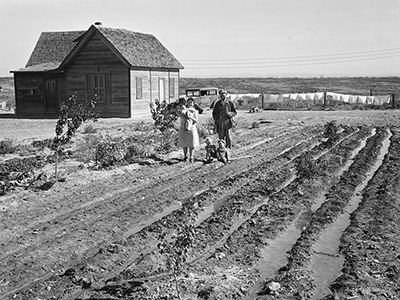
{"points": [[188, 112], [211, 151], [222, 152]]}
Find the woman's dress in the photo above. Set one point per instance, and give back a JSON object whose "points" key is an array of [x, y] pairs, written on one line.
{"points": [[188, 138]]}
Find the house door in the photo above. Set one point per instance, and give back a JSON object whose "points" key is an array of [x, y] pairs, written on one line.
{"points": [[161, 89], [51, 102]]}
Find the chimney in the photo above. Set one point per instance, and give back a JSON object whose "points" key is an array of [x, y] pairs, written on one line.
{"points": [[98, 24]]}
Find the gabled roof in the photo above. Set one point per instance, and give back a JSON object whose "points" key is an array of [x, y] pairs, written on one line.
{"points": [[56, 49], [51, 49], [140, 49]]}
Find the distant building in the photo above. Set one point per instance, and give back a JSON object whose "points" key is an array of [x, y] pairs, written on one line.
{"points": [[124, 69]]}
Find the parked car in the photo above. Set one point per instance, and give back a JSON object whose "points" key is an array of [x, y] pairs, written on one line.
{"points": [[204, 97]]}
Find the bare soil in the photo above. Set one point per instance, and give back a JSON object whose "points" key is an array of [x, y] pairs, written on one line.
{"points": [[95, 234]]}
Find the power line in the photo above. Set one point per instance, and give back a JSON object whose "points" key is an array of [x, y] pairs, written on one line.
{"points": [[332, 55], [290, 64], [363, 56]]}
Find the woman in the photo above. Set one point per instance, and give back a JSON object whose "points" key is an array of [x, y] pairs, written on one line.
{"points": [[188, 135]]}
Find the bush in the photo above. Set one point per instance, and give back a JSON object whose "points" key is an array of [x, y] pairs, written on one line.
{"points": [[25, 150], [109, 152], [86, 148], [138, 146], [168, 141], [89, 129], [306, 167], [164, 114], [7, 146], [41, 144], [331, 133]]}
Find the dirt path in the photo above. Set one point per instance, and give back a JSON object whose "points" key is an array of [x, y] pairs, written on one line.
{"points": [[95, 235]]}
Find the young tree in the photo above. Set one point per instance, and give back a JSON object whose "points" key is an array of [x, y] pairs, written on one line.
{"points": [[164, 115], [71, 116], [177, 250]]}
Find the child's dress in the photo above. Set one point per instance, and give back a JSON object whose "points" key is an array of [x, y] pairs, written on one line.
{"points": [[189, 112]]}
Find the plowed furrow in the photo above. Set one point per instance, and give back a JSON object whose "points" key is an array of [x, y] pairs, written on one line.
{"points": [[56, 237], [338, 197], [372, 235]]}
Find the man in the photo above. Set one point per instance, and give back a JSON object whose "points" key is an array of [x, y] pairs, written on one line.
{"points": [[223, 112]]}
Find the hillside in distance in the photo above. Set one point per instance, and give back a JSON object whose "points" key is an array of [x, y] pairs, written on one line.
{"points": [[345, 85], [7, 82]]}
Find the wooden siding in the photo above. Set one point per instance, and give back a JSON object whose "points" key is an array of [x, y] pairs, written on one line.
{"points": [[35, 105], [140, 106], [97, 58], [150, 89]]}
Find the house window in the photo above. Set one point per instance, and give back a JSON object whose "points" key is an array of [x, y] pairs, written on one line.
{"points": [[97, 87], [172, 87], [139, 88], [30, 88]]}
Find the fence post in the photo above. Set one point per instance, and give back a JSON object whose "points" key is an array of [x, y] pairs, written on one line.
{"points": [[393, 101], [262, 100], [324, 99]]}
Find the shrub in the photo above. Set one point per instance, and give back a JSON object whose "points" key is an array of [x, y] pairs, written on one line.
{"points": [[164, 114], [168, 141], [41, 144], [7, 146], [86, 148], [25, 150], [331, 133], [139, 146], [109, 152], [306, 167], [89, 129]]}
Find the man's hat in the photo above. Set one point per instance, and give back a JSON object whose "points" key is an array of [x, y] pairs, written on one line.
{"points": [[222, 92]]}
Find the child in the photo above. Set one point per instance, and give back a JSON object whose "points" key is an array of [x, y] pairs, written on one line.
{"points": [[223, 152], [211, 151], [188, 112]]}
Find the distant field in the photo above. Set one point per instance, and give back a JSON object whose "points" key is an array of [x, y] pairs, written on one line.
{"points": [[354, 85], [345, 85]]}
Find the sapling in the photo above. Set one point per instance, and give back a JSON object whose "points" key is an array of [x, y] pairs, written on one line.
{"points": [[176, 252], [71, 116], [331, 133], [164, 115]]}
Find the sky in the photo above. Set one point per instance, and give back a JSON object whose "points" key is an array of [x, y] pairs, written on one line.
{"points": [[227, 38]]}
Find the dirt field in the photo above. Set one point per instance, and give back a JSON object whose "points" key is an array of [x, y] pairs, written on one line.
{"points": [[262, 230]]}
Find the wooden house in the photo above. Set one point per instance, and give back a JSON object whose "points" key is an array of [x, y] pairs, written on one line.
{"points": [[123, 70]]}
